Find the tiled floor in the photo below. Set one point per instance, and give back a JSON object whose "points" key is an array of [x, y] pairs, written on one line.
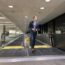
{"points": [[49, 62], [23, 52]]}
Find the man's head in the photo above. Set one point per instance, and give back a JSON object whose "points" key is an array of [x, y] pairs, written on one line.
{"points": [[34, 18]]}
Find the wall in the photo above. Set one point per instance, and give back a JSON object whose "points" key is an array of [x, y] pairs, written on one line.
{"points": [[57, 27]]}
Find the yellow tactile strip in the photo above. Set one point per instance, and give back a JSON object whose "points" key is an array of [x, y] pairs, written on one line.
{"points": [[21, 47]]}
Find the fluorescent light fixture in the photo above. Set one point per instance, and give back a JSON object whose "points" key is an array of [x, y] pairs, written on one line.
{"points": [[2, 17], [12, 31], [42, 8], [47, 0], [10, 6]]}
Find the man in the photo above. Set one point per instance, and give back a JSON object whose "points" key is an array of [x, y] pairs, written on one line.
{"points": [[33, 32]]}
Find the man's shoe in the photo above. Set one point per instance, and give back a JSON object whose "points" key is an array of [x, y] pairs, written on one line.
{"points": [[33, 50]]}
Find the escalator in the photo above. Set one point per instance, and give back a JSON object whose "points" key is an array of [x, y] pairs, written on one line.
{"points": [[16, 49]]}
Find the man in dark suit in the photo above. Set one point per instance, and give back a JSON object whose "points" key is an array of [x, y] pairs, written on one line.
{"points": [[33, 26]]}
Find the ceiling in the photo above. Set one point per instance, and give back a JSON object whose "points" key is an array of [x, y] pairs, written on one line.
{"points": [[23, 11], [9, 24]]}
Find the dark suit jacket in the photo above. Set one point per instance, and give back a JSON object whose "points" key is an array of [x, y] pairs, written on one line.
{"points": [[32, 26]]}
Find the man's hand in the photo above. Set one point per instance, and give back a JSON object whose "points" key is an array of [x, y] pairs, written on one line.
{"points": [[34, 29]]}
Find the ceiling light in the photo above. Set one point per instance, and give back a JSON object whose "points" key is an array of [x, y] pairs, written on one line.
{"points": [[47, 0], [26, 17], [42, 8], [10, 6], [2, 17]]}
